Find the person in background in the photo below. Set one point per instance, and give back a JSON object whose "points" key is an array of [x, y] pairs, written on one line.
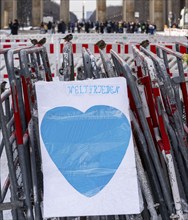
{"points": [[97, 25], [78, 26], [102, 28], [61, 27], [53, 27], [69, 27], [72, 27], [42, 30], [14, 27], [45, 28], [49, 27], [87, 27]]}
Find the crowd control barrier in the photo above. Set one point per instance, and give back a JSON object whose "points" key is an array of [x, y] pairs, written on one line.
{"points": [[121, 43], [95, 69], [157, 133], [67, 70], [158, 128], [170, 102], [159, 119], [123, 68], [181, 46], [178, 78], [19, 127]]}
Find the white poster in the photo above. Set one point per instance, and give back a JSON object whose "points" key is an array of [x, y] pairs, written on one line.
{"points": [[87, 150]]}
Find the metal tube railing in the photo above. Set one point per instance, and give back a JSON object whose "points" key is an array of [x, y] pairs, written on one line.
{"points": [[124, 69], [170, 102]]}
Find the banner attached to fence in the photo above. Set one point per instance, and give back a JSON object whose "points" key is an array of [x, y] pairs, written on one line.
{"points": [[87, 149]]}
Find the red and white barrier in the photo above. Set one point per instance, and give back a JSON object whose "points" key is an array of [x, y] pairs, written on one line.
{"points": [[13, 40], [121, 43]]}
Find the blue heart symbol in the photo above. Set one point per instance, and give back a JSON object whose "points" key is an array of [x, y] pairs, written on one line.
{"points": [[87, 148]]}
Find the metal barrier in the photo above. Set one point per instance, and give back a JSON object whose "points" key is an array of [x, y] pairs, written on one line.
{"points": [[159, 129], [89, 71], [156, 117], [178, 80], [25, 191], [154, 140], [87, 64], [170, 102], [94, 37], [13, 177], [96, 70], [181, 47], [108, 68], [121, 43], [124, 69], [145, 186], [175, 32], [67, 70]]}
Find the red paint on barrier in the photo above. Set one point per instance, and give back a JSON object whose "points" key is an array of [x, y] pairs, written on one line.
{"points": [[32, 69], [51, 48], [61, 48], [108, 48], [126, 49], [182, 49], [26, 85], [7, 46], [139, 72], [164, 143], [17, 118], [153, 48], [119, 49], [96, 49], [85, 45], [138, 46], [169, 46], [74, 48]]}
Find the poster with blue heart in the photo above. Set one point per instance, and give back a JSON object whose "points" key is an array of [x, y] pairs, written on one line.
{"points": [[87, 148]]}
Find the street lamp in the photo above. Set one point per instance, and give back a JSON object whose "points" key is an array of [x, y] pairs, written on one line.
{"points": [[83, 10]]}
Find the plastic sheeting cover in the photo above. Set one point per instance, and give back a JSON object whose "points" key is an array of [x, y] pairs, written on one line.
{"points": [[87, 147]]}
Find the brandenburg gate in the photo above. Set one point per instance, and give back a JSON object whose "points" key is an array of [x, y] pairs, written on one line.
{"points": [[156, 11]]}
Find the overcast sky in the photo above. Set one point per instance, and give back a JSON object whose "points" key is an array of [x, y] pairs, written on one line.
{"points": [[90, 5]]}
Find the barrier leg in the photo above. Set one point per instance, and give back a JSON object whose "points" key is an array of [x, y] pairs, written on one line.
{"points": [[38, 214], [16, 211], [149, 167], [27, 189], [145, 186], [178, 156]]}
